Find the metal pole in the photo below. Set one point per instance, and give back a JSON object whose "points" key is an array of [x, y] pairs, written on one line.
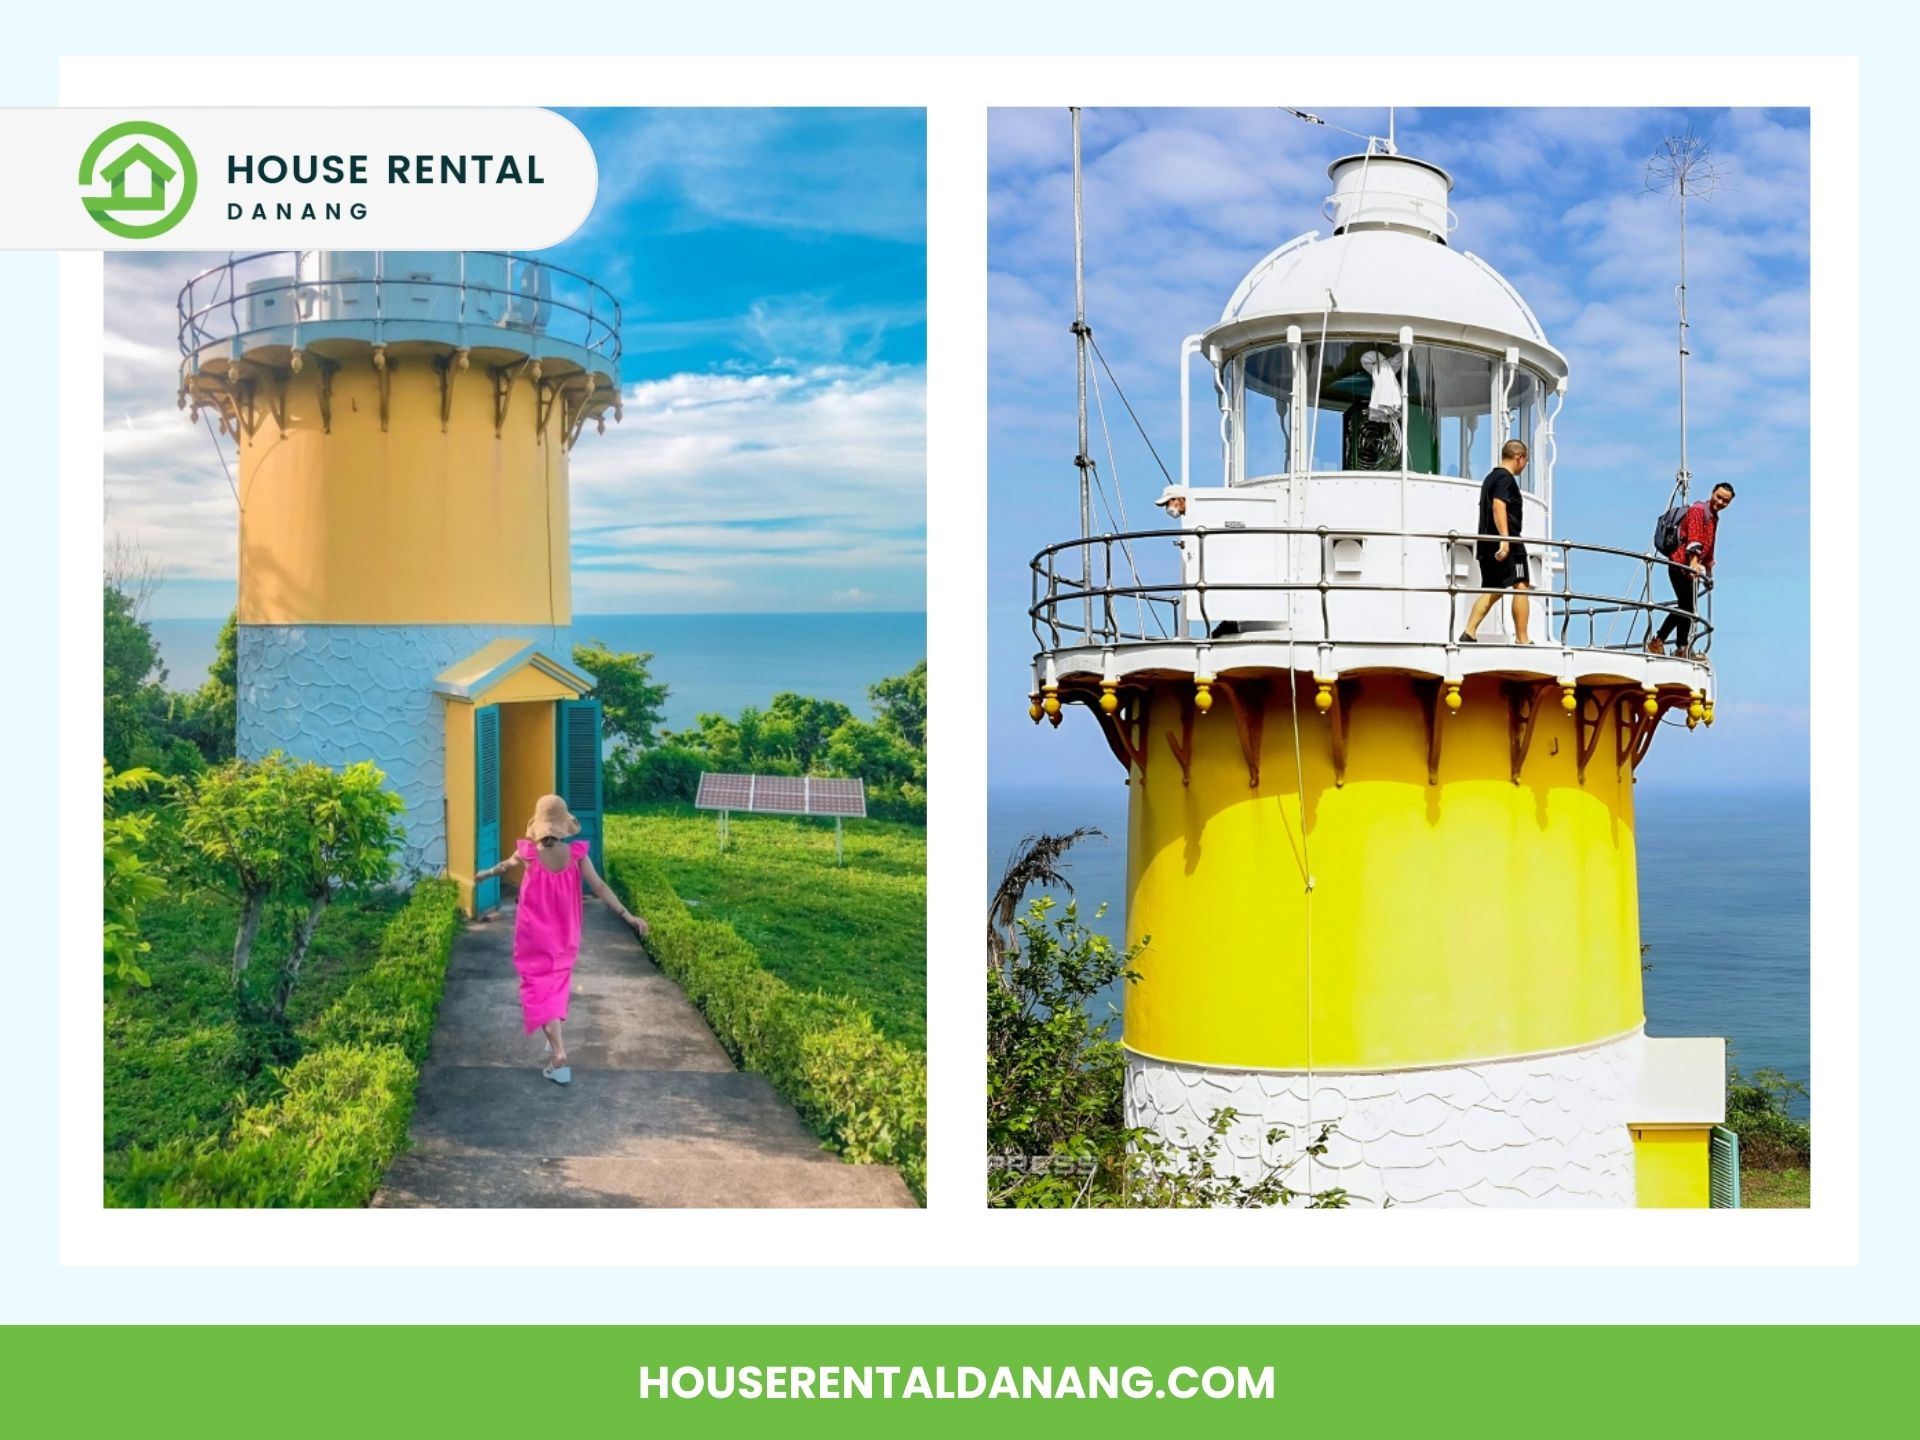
{"points": [[839, 850], [1080, 459], [1684, 475]]}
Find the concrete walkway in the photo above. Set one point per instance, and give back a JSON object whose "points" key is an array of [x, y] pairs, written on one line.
{"points": [[657, 1115]]}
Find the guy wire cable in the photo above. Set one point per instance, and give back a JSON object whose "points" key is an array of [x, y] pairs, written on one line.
{"points": [[1306, 866]]}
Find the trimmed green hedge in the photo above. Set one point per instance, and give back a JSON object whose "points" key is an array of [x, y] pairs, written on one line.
{"points": [[341, 1112], [864, 1093]]}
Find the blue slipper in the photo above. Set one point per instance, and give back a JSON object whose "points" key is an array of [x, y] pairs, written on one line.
{"points": [[562, 1076]]}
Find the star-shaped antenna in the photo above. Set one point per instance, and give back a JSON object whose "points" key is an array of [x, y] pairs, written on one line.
{"points": [[1684, 168]]}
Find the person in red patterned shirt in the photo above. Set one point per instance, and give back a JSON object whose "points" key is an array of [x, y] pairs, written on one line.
{"points": [[1690, 562]]}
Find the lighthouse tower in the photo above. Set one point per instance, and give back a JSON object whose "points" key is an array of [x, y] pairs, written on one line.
{"points": [[403, 422], [1385, 880]]}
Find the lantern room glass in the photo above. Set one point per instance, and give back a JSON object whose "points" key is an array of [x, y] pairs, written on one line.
{"points": [[1450, 398]]}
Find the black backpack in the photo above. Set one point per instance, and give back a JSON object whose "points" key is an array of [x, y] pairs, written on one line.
{"points": [[1666, 530]]}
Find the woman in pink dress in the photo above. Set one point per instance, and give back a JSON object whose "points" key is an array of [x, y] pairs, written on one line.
{"points": [[546, 928]]}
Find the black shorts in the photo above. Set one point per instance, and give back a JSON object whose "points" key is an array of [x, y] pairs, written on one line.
{"points": [[1502, 574]]}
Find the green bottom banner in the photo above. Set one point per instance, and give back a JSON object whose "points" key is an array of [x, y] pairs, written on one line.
{"points": [[917, 1381]]}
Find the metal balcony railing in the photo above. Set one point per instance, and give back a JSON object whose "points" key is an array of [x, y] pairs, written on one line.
{"points": [[1089, 593], [268, 295]]}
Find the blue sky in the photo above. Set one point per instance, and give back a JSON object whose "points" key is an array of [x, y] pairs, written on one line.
{"points": [[771, 268], [1180, 204]]}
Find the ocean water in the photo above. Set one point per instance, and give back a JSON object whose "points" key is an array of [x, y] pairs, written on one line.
{"points": [[1723, 904], [718, 663]]}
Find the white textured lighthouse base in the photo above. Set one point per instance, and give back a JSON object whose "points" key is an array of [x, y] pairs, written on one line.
{"points": [[336, 694], [1536, 1130]]}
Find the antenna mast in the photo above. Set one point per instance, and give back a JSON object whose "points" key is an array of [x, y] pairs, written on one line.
{"points": [[1082, 462], [1682, 168]]}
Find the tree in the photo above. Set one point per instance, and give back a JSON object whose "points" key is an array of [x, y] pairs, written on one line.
{"points": [[631, 704], [716, 739], [131, 878], [275, 830], [900, 702], [342, 830], [1036, 863], [213, 711], [134, 573], [799, 727], [236, 832], [206, 718], [132, 677]]}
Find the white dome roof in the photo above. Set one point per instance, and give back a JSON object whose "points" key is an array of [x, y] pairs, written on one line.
{"points": [[1375, 281]]}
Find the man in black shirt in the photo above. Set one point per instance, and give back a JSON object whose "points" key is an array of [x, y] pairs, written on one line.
{"points": [[1503, 562]]}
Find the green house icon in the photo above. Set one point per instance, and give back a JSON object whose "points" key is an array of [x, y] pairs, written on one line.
{"points": [[142, 198], [159, 175]]}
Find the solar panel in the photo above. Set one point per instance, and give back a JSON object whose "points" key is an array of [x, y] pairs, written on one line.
{"points": [[839, 797], [779, 795], [783, 795], [723, 792]]}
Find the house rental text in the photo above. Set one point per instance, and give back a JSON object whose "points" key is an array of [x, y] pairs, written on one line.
{"points": [[401, 170]]}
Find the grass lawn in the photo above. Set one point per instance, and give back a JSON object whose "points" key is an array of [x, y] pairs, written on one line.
{"points": [[1788, 1189], [858, 931], [180, 1061]]}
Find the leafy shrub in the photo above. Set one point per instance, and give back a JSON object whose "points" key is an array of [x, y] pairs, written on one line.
{"points": [[395, 1002], [879, 1105], [325, 1139], [1057, 1136], [340, 1113], [173, 755], [131, 877], [1770, 1138], [907, 804], [664, 773], [864, 1093]]}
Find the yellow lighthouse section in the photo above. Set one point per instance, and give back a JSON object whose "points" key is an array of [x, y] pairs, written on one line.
{"points": [[1450, 920], [405, 488]]}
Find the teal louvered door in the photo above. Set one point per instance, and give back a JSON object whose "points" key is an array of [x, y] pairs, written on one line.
{"points": [[576, 769], [1723, 1169], [486, 804]]}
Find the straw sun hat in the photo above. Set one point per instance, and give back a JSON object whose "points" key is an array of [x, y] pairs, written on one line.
{"points": [[551, 817]]}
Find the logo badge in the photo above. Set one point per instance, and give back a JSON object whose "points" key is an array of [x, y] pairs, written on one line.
{"points": [[149, 176]]}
